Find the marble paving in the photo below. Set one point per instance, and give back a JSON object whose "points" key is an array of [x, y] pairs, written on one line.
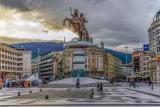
{"points": [[111, 96]]}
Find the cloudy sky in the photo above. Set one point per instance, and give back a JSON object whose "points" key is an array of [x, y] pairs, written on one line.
{"points": [[115, 22]]}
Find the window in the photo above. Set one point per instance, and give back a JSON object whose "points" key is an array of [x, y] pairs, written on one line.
{"points": [[19, 59], [158, 49]]}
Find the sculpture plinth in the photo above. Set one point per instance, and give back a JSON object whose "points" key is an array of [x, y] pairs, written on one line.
{"points": [[78, 57]]}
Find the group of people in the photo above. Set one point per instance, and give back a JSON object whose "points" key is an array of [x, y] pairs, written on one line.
{"points": [[132, 83], [100, 86]]}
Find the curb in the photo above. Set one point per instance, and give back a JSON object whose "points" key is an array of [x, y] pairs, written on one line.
{"points": [[155, 95]]}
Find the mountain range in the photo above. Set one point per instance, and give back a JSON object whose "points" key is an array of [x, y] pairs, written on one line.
{"points": [[12, 40], [46, 47]]}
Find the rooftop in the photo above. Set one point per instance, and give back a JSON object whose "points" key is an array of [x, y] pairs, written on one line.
{"points": [[157, 16]]}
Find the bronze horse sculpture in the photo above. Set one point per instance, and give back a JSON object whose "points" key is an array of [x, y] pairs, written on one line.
{"points": [[76, 25], [71, 24]]}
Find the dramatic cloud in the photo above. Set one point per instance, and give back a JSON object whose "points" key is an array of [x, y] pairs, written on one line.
{"points": [[30, 24], [116, 22]]}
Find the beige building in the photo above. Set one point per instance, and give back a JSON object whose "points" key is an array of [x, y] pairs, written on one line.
{"points": [[14, 63], [113, 66]]}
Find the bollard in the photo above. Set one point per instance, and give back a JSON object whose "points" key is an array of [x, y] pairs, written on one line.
{"points": [[46, 97], [40, 90], [30, 91], [68, 89], [19, 93]]}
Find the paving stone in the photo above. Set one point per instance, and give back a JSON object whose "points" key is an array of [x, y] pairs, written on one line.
{"points": [[110, 95]]}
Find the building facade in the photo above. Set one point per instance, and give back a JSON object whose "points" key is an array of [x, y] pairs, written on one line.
{"points": [[82, 58], [154, 43], [128, 70], [144, 65], [14, 63], [113, 66], [48, 66], [136, 59]]}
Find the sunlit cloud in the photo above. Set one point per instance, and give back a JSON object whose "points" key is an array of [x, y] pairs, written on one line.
{"points": [[29, 25]]}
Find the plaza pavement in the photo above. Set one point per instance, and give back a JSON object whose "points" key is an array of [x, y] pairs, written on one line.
{"points": [[111, 96], [146, 89]]}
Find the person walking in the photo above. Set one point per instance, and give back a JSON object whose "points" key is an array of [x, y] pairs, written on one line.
{"points": [[134, 84], [78, 83], [101, 86], [150, 82]]}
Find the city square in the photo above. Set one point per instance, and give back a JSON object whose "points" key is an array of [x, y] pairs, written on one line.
{"points": [[79, 53], [118, 95]]}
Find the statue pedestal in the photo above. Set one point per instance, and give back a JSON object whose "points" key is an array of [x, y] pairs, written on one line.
{"points": [[78, 57]]}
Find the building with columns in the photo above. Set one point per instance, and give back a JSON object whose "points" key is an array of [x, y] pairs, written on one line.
{"points": [[14, 63], [154, 49], [82, 58]]}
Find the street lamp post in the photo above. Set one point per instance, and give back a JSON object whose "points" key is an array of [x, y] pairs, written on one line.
{"points": [[38, 50], [126, 62], [152, 87]]}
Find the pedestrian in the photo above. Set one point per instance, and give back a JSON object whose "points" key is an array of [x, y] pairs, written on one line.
{"points": [[77, 83], [149, 83], [134, 84], [101, 86], [130, 83]]}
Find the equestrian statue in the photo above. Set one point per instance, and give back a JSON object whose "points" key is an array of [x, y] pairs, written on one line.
{"points": [[77, 23]]}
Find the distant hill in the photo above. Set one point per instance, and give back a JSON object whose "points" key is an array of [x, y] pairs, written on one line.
{"points": [[10, 40], [120, 55], [46, 47]]}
